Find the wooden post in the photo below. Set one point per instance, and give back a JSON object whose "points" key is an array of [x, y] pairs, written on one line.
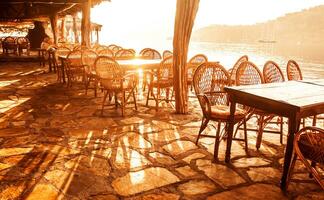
{"points": [[85, 24], [97, 33], [75, 30], [184, 21], [53, 19], [63, 29]]}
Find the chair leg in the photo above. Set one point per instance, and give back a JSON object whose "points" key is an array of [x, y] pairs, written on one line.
{"points": [[123, 103], [87, 83], [314, 120], [204, 123], [134, 96], [313, 164], [157, 99], [148, 94], [260, 132], [217, 141], [95, 87], [103, 102]]}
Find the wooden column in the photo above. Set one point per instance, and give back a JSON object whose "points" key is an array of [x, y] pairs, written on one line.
{"points": [[75, 30], [184, 21], [85, 24], [97, 34], [63, 29], [53, 19]]}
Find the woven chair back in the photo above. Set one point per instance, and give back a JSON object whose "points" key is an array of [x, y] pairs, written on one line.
{"points": [[150, 54], [211, 78], [293, 71], [74, 58], [165, 70], [272, 73], [106, 52], [166, 54], [125, 54], [236, 65], [88, 57], [107, 68], [248, 74]]}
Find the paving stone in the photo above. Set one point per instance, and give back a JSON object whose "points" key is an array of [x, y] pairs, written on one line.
{"points": [[132, 120], [44, 191], [164, 136], [179, 146], [97, 123], [128, 159], [250, 162], [144, 180], [311, 196], [4, 166], [193, 157], [162, 158], [264, 174], [14, 151], [148, 128], [221, 174], [134, 140], [256, 191], [157, 196], [186, 171], [104, 197], [195, 187]]}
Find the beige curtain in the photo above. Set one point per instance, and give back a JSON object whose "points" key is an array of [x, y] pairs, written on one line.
{"points": [[184, 21]]}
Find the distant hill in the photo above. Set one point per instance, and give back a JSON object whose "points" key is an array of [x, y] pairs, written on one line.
{"points": [[299, 28]]}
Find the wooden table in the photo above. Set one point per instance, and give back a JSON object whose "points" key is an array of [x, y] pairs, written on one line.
{"points": [[126, 64], [291, 99]]}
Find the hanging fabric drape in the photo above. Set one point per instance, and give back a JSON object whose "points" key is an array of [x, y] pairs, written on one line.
{"points": [[184, 21]]}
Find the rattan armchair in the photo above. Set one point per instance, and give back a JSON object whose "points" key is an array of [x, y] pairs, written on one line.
{"points": [[293, 71], [74, 67], [23, 43], [148, 53], [88, 57], [309, 148], [100, 48], [192, 65], [60, 51], [125, 54], [9, 43], [161, 79], [106, 52], [209, 81], [234, 68], [249, 74], [166, 54], [273, 74], [114, 81]]}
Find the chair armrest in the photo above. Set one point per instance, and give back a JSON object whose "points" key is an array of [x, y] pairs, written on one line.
{"points": [[205, 104]]}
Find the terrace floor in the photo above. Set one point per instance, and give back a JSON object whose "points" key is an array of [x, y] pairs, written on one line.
{"points": [[55, 145]]}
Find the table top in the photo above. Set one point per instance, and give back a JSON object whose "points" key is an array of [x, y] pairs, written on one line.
{"points": [[297, 96]]}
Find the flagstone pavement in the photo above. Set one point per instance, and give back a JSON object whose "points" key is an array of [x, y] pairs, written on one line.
{"points": [[54, 144]]}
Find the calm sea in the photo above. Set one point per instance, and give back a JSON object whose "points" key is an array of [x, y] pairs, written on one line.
{"points": [[310, 58]]}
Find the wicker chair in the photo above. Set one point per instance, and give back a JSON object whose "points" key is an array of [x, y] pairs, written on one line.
{"points": [[293, 71], [88, 57], [193, 63], [248, 74], [23, 43], [112, 46], [125, 54], [166, 54], [100, 48], [162, 79], [74, 67], [309, 148], [8, 44], [60, 51], [236, 65], [106, 52], [209, 81], [115, 49], [114, 81], [273, 74], [148, 53]]}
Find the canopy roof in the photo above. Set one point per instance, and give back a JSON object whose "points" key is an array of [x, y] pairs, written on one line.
{"points": [[17, 10]]}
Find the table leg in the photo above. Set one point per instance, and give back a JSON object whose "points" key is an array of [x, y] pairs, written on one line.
{"points": [[63, 70], [293, 127], [230, 130]]}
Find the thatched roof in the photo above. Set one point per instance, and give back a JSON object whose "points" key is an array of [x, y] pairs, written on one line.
{"points": [[16, 10]]}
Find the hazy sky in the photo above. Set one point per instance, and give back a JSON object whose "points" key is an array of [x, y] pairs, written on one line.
{"points": [[154, 19]]}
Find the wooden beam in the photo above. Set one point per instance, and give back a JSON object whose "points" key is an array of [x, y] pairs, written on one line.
{"points": [[53, 19], [86, 24], [44, 1], [184, 20]]}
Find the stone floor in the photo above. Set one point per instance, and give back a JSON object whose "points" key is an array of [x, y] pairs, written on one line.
{"points": [[55, 145]]}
